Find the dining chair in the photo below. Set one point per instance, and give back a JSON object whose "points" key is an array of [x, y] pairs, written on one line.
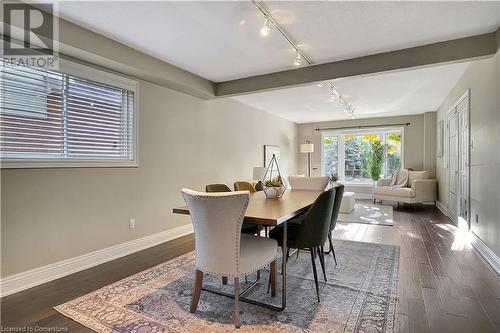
{"points": [[308, 183], [217, 188], [312, 232], [221, 249], [339, 193], [244, 186], [249, 229]]}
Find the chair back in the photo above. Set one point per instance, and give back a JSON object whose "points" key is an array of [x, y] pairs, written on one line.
{"points": [[316, 225], [217, 188], [244, 186], [339, 193], [217, 220], [308, 183]]}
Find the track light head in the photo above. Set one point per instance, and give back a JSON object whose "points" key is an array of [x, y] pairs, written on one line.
{"points": [[298, 59], [267, 27]]}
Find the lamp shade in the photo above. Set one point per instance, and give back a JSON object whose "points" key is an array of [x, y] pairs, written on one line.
{"points": [[258, 173], [307, 148]]}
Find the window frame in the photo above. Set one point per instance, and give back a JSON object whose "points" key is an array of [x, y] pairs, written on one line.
{"points": [[341, 149], [87, 72]]}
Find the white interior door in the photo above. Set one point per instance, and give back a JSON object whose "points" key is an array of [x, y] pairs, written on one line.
{"points": [[453, 188], [463, 160], [458, 163]]}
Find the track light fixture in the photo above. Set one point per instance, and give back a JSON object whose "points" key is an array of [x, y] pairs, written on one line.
{"points": [[300, 57], [335, 94], [267, 27]]}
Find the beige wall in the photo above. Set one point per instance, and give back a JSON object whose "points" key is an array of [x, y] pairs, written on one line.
{"points": [[413, 139], [482, 78], [53, 214], [430, 142]]}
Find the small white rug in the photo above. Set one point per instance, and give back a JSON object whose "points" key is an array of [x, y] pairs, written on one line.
{"points": [[368, 213]]}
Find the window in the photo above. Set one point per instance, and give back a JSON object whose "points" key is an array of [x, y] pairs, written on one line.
{"points": [[346, 153], [79, 116]]}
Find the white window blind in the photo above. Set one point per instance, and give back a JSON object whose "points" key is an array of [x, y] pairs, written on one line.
{"points": [[80, 115]]}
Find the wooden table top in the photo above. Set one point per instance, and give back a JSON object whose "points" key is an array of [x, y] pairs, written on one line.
{"points": [[273, 211]]}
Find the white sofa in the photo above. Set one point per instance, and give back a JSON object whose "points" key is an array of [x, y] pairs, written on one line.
{"points": [[419, 188]]}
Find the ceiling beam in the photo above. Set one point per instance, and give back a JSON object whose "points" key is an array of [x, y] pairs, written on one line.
{"points": [[462, 49]]}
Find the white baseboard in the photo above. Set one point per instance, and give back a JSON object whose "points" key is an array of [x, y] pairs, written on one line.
{"points": [[483, 249], [34, 277], [442, 208], [487, 253], [362, 196]]}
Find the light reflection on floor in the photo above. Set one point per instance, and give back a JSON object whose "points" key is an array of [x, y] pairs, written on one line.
{"points": [[462, 237]]}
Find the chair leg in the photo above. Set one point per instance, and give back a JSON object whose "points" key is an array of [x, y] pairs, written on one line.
{"points": [[374, 200], [224, 280], [321, 256], [272, 278], [298, 250], [314, 272], [332, 249], [236, 302], [197, 291], [287, 254]]}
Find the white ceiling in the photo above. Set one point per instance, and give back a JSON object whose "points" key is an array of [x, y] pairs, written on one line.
{"points": [[222, 40], [382, 95]]}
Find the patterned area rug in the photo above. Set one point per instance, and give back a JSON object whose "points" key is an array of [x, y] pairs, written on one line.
{"points": [[360, 296], [369, 213]]}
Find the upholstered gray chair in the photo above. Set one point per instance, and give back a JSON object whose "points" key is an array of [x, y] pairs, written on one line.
{"points": [[221, 249], [308, 183]]}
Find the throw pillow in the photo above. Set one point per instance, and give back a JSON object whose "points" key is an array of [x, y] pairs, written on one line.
{"points": [[394, 178]]}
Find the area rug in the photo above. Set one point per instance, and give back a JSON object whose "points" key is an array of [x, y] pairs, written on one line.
{"points": [[369, 213], [360, 296]]}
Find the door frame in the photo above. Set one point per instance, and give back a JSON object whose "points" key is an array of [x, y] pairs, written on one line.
{"points": [[447, 151]]}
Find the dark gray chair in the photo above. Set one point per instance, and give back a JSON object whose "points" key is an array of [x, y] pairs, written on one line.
{"points": [[339, 193], [312, 233]]}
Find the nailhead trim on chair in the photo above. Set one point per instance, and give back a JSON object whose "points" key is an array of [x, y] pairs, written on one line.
{"points": [[232, 275]]}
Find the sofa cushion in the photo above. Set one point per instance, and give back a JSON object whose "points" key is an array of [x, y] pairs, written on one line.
{"points": [[405, 192], [417, 175]]}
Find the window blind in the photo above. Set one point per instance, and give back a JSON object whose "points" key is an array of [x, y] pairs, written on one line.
{"points": [[56, 116]]}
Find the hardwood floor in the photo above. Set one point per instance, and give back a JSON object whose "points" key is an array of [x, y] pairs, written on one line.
{"points": [[444, 284]]}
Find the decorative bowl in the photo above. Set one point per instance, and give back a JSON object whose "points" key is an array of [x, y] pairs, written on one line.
{"points": [[272, 192]]}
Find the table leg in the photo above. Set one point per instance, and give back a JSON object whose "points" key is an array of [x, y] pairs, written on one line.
{"points": [[283, 265]]}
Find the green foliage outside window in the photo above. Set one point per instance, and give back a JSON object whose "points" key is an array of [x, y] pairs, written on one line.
{"points": [[376, 159], [357, 150]]}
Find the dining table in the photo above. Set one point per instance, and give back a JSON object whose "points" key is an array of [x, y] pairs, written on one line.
{"points": [[271, 212]]}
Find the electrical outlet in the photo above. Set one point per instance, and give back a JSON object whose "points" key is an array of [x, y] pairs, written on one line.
{"points": [[131, 223], [477, 218]]}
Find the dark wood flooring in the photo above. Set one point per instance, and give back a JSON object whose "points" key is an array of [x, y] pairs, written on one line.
{"points": [[444, 284]]}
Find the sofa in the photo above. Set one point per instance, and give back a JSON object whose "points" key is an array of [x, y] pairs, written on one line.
{"points": [[410, 187]]}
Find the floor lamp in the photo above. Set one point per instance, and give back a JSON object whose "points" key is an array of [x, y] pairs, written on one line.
{"points": [[308, 148]]}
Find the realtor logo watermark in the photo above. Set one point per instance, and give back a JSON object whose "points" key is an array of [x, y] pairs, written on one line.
{"points": [[29, 35]]}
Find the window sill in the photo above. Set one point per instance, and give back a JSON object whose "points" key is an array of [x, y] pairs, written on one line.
{"points": [[44, 164]]}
